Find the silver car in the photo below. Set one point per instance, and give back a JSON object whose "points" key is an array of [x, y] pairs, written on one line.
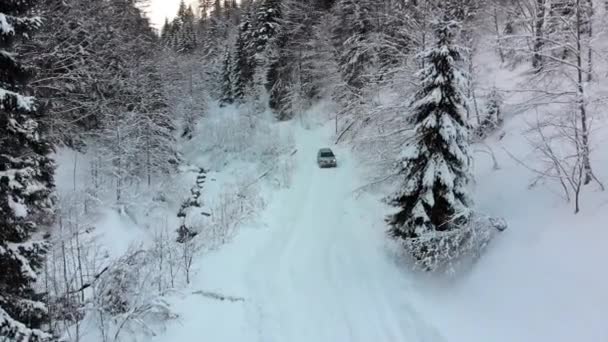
{"points": [[326, 158]]}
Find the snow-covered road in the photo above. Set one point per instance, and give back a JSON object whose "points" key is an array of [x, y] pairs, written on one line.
{"points": [[322, 274], [317, 271]]}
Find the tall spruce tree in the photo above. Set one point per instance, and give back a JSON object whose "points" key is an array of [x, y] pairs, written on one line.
{"points": [[291, 62], [217, 24], [244, 63], [165, 31], [180, 34], [266, 16], [267, 24], [434, 166], [396, 32], [226, 95], [353, 25], [26, 183], [187, 35]]}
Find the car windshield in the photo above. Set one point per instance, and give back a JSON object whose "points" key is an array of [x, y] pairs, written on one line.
{"points": [[326, 154]]}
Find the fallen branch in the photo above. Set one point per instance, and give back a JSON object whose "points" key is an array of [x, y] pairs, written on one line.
{"points": [[344, 131], [490, 153], [378, 181], [87, 285], [218, 296], [264, 174]]}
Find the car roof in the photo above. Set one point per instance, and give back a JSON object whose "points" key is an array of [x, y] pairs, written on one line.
{"points": [[325, 149]]}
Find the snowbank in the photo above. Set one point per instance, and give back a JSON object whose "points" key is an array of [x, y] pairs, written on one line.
{"points": [[542, 278]]}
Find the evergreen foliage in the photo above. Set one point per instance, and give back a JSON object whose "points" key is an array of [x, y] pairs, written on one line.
{"points": [[243, 63], [227, 95], [435, 165], [26, 184], [492, 116]]}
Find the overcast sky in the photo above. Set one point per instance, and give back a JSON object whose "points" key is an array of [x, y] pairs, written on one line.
{"points": [[161, 9]]}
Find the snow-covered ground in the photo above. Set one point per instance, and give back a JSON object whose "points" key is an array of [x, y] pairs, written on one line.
{"points": [[316, 270], [543, 279], [313, 264], [315, 267]]}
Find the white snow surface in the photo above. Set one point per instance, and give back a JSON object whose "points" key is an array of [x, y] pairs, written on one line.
{"points": [[18, 208], [315, 264], [315, 267], [315, 270], [542, 279]]}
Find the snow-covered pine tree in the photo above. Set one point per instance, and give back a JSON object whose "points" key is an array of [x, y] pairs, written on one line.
{"points": [[290, 69], [204, 6], [396, 36], [492, 118], [266, 23], [244, 63], [351, 31], [202, 24], [165, 32], [26, 183], [433, 198], [172, 39], [227, 94], [175, 28], [265, 16], [156, 150], [180, 33], [70, 77], [186, 37], [217, 24]]}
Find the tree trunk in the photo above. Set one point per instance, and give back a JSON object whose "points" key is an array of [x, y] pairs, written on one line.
{"points": [[498, 42], [537, 61], [588, 173], [589, 37]]}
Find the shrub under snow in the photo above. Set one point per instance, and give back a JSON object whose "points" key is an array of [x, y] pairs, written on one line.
{"points": [[444, 251]]}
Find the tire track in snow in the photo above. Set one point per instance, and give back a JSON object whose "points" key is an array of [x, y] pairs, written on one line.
{"points": [[319, 276]]}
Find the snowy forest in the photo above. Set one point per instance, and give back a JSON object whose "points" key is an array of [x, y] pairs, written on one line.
{"points": [[132, 157]]}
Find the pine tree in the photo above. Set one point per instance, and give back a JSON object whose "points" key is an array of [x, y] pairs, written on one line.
{"points": [[171, 35], [217, 24], [434, 166], [244, 63], [266, 24], [351, 31], [493, 107], [290, 73], [182, 10], [26, 183], [180, 34], [396, 32], [227, 95], [165, 31], [266, 45], [492, 116], [204, 7], [186, 41], [155, 146]]}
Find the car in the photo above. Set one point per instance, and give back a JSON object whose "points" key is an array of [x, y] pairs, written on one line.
{"points": [[326, 158]]}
